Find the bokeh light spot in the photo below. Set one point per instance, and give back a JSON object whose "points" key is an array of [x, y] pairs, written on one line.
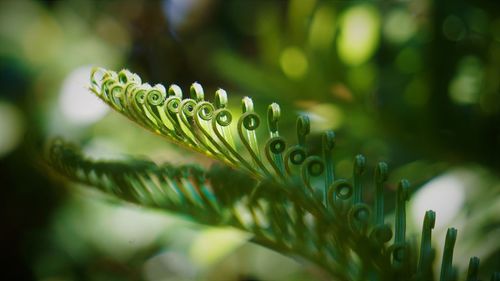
{"points": [[359, 36], [215, 243], [466, 85], [341, 92], [399, 26], [77, 103], [293, 62], [322, 30], [177, 11], [11, 127], [326, 116]]}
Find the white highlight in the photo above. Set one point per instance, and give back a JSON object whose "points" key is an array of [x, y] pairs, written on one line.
{"points": [[178, 10], [77, 103], [445, 195]]}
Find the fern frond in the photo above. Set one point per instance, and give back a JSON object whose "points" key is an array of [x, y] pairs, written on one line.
{"points": [[204, 126], [294, 203], [277, 220]]}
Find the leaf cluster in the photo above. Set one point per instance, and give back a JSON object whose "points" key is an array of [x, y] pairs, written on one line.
{"points": [[286, 197]]}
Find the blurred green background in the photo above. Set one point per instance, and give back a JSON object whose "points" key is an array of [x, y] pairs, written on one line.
{"points": [[412, 83]]}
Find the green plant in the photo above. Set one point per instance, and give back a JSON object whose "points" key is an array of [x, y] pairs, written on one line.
{"points": [[283, 194]]}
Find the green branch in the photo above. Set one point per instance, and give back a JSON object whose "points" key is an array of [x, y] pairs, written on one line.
{"points": [[287, 198]]}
